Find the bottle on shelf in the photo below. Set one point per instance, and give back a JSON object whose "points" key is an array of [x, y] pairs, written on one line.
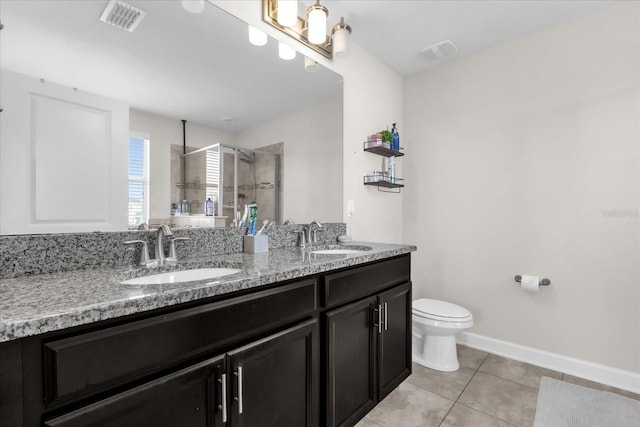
{"points": [[392, 170], [395, 138], [208, 207]]}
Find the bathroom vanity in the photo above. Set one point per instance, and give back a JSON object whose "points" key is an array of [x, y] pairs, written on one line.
{"points": [[296, 339]]}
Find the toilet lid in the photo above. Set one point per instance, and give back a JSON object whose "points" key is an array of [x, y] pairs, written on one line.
{"points": [[440, 309]]}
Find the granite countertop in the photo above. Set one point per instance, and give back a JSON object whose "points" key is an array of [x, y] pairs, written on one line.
{"points": [[32, 305]]}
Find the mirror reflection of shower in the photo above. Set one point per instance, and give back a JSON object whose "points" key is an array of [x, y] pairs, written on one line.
{"points": [[232, 177], [248, 159]]}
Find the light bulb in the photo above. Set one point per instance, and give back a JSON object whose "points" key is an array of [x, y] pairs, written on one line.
{"points": [[286, 52], [257, 37], [340, 38], [310, 66], [288, 13], [317, 24]]}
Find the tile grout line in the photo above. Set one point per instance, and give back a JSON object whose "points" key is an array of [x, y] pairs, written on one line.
{"points": [[511, 381], [469, 382], [501, 378], [465, 387]]}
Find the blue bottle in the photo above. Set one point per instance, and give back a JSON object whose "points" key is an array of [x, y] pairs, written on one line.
{"points": [[208, 207], [395, 138]]}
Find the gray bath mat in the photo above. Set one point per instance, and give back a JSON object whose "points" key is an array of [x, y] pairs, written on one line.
{"points": [[562, 404]]}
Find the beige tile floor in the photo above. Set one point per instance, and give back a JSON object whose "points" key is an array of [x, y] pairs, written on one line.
{"points": [[487, 391]]}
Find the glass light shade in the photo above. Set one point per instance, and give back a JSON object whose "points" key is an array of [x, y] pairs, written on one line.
{"points": [[310, 66], [257, 37], [341, 42], [193, 6], [317, 24], [288, 13], [286, 52]]}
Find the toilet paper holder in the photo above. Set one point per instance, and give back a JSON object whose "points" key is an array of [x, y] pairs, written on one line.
{"points": [[543, 282]]}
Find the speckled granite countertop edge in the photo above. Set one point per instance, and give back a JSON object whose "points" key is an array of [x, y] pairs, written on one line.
{"points": [[33, 305]]}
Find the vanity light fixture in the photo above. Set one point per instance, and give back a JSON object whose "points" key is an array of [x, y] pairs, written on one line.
{"points": [[311, 31]]}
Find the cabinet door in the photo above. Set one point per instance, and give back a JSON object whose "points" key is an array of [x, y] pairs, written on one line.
{"points": [[351, 360], [394, 357], [274, 381], [189, 397]]}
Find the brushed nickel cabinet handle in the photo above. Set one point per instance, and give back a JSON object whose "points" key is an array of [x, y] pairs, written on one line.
{"points": [[379, 324], [386, 327], [239, 398], [224, 398]]}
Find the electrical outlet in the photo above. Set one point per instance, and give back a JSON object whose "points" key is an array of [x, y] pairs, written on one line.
{"points": [[351, 210]]}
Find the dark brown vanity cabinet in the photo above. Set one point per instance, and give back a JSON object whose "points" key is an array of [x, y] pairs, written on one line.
{"points": [[274, 382], [317, 351], [368, 342], [270, 382], [248, 360]]}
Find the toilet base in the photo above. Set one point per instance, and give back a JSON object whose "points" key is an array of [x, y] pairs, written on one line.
{"points": [[436, 352]]}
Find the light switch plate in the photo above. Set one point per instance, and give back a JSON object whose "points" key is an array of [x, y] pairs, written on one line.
{"points": [[351, 210]]}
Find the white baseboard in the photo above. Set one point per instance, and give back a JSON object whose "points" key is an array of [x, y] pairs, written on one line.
{"points": [[619, 378]]}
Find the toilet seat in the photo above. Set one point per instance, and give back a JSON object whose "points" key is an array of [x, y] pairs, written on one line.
{"points": [[440, 310]]}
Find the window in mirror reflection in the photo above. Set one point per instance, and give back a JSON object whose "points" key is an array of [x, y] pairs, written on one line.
{"points": [[212, 173], [138, 180]]}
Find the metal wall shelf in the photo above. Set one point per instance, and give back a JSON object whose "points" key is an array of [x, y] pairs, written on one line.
{"points": [[382, 182], [381, 150]]}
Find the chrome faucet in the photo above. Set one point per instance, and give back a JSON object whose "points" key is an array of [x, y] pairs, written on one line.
{"points": [[288, 222], [302, 242], [314, 226], [163, 230]]}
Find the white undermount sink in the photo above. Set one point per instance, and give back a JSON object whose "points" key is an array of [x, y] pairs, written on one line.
{"points": [[336, 251], [182, 276], [345, 250]]}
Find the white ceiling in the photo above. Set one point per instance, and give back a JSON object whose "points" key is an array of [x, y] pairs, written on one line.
{"points": [[396, 30], [201, 67]]}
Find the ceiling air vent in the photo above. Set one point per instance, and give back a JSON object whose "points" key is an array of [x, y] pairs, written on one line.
{"points": [[122, 15], [439, 51]]}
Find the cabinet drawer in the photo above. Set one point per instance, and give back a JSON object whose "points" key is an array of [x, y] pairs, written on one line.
{"points": [[91, 362], [184, 398], [352, 284]]}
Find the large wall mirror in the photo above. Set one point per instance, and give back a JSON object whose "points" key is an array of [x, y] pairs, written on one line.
{"points": [[174, 66]]}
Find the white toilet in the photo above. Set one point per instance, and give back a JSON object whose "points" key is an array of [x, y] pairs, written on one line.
{"points": [[435, 324]]}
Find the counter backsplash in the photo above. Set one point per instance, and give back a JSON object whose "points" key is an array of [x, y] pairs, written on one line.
{"points": [[28, 254]]}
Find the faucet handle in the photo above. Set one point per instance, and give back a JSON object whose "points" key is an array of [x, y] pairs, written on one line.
{"points": [[172, 248], [144, 254]]}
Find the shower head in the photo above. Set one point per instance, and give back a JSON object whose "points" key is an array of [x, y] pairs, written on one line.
{"points": [[247, 158]]}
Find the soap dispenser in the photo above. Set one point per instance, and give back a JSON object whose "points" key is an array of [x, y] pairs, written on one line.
{"points": [[208, 207]]}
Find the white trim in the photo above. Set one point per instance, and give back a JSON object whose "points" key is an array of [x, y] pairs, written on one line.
{"points": [[614, 377]]}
